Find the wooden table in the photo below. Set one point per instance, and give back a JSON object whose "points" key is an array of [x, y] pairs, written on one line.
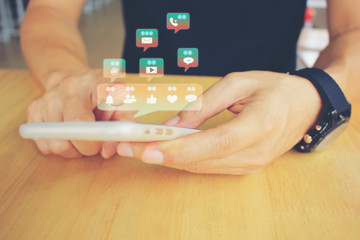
{"points": [[299, 196]]}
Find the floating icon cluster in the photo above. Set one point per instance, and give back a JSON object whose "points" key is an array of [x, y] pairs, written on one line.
{"points": [[141, 96]]}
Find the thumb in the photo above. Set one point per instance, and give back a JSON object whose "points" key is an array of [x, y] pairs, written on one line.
{"points": [[80, 109]]}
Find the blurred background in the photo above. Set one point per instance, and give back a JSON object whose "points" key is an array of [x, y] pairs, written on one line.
{"points": [[101, 18]]}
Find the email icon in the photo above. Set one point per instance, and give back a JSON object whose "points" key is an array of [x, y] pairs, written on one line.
{"points": [[146, 40]]}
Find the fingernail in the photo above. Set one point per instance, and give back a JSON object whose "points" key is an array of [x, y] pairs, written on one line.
{"points": [[125, 150], [108, 149], [103, 153], [153, 156], [172, 121]]}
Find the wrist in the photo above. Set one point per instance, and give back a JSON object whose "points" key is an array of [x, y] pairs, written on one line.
{"points": [[336, 108]]}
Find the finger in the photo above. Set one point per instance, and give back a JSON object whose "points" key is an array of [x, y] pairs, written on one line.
{"points": [[34, 114], [40, 112], [214, 100], [133, 149], [108, 149], [78, 109], [53, 113], [63, 148], [102, 115], [123, 116], [223, 140]]}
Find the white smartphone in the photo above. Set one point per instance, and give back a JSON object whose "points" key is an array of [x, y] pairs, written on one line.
{"points": [[102, 131]]}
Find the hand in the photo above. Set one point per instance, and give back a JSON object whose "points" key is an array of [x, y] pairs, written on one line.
{"points": [[272, 113], [73, 98]]}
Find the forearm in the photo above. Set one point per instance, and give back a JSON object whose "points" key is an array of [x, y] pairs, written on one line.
{"points": [[51, 43], [341, 59]]}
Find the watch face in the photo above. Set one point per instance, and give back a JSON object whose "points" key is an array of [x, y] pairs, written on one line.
{"points": [[331, 136]]}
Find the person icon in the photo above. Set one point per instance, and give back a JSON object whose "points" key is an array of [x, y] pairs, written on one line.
{"points": [[129, 99], [109, 100]]}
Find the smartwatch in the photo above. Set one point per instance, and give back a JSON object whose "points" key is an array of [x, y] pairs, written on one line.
{"points": [[336, 111]]}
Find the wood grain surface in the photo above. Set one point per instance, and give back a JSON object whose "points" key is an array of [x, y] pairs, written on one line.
{"points": [[298, 196]]}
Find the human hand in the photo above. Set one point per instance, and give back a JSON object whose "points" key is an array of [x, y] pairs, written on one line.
{"points": [[272, 113], [73, 97]]}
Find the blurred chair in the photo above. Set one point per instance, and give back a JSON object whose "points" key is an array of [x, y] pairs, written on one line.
{"points": [[312, 40], [11, 15]]}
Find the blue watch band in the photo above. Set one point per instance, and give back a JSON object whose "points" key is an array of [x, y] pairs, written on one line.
{"points": [[327, 87], [336, 108]]}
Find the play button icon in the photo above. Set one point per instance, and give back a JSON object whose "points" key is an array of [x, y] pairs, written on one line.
{"points": [[151, 70]]}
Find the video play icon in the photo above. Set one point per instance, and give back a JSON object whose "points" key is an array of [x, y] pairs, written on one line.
{"points": [[151, 70], [151, 67]]}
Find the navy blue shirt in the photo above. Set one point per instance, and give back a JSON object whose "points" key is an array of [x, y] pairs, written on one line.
{"points": [[231, 35]]}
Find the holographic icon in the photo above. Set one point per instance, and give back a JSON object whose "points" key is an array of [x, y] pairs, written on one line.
{"points": [[151, 67], [109, 98], [147, 38], [151, 99], [148, 98], [178, 21], [172, 98], [114, 68], [188, 57], [129, 99]]}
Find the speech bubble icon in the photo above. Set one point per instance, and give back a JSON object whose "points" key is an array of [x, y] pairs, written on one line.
{"points": [[147, 38], [191, 98], [188, 60], [188, 57], [151, 67], [178, 21], [114, 69]]}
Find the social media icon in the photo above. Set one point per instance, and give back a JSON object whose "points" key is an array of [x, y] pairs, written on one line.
{"points": [[129, 99], [151, 67], [109, 98], [151, 99], [114, 69], [191, 98], [188, 57], [147, 98], [147, 38], [188, 60], [172, 98], [178, 21], [151, 70]]}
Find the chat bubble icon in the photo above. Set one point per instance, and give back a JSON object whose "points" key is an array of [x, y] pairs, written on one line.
{"points": [[188, 57], [188, 60], [151, 67], [147, 38], [114, 69], [191, 98], [178, 21], [148, 98]]}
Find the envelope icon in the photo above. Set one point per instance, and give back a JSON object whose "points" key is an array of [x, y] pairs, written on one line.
{"points": [[146, 40]]}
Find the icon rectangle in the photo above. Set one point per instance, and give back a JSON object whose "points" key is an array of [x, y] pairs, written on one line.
{"points": [[147, 98], [188, 57], [151, 67], [178, 21], [147, 38], [114, 69]]}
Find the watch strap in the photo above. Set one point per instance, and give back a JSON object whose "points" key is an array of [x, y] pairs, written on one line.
{"points": [[327, 87]]}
